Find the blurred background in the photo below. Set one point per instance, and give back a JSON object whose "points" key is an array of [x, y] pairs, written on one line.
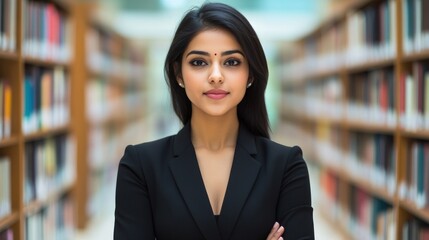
{"points": [[81, 80]]}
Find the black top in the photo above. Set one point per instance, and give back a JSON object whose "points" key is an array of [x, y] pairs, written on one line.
{"points": [[160, 192]]}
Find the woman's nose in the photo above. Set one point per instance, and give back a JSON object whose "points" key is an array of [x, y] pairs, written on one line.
{"points": [[216, 74]]}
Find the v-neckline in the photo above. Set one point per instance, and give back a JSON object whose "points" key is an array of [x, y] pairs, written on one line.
{"points": [[226, 186]]}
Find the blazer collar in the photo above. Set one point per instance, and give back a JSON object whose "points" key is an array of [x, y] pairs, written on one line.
{"points": [[185, 169]]}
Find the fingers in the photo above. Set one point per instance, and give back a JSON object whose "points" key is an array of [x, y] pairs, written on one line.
{"points": [[276, 232]]}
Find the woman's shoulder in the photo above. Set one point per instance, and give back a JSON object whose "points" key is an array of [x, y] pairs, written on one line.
{"points": [[152, 147], [273, 146], [145, 151]]}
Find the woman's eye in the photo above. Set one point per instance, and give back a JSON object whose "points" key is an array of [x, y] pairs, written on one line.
{"points": [[198, 63], [232, 62]]}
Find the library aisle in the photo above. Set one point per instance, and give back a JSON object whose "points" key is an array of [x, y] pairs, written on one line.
{"points": [[352, 92]]}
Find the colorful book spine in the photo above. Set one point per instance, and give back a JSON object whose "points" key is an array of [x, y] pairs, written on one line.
{"points": [[415, 185], [372, 33], [414, 97], [416, 25], [5, 187], [370, 218], [372, 157], [6, 234], [46, 99], [46, 32], [5, 109], [372, 97], [415, 229], [54, 221], [49, 167], [8, 19]]}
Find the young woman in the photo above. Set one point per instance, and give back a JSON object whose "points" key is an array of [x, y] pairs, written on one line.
{"points": [[220, 176]]}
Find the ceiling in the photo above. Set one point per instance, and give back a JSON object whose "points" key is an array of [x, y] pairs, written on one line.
{"points": [[272, 19], [247, 5]]}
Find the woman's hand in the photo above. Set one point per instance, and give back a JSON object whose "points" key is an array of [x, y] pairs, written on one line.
{"points": [[276, 232]]}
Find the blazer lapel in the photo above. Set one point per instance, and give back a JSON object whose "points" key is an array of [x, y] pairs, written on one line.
{"points": [[245, 169], [185, 169]]}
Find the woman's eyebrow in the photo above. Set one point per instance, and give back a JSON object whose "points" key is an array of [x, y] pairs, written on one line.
{"points": [[197, 53], [229, 52], [232, 52]]}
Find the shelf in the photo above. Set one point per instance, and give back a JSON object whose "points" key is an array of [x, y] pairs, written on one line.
{"points": [[37, 205], [421, 134], [63, 4], [411, 207], [46, 133], [44, 62], [8, 220], [362, 183], [336, 224], [8, 55], [369, 127], [370, 65], [424, 55], [8, 142], [322, 75]]}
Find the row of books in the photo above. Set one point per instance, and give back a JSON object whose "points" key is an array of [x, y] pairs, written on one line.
{"points": [[6, 234], [318, 99], [372, 33], [46, 98], [372, 157], [49, 167], [109, 55], [106, 100], [416, 25], [370, 217], [54, 222], [5, 109], [372, 97], [5, 187], [414, 97], [367, 34], [8, 10], [415, 186], [47, 32], [364, 216], [415, 229]]}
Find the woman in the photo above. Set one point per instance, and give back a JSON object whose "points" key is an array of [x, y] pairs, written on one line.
{"points": [[220, 177]]}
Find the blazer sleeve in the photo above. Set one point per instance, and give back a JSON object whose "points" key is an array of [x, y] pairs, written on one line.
{"points": [[294, 210], [133, 214]]}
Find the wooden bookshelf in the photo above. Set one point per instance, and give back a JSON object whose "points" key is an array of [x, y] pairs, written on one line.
{"points": [[62, 132], [384, 48], [100, 121]]}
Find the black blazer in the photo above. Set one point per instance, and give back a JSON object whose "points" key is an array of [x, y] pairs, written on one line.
{"points": [[160, 192]]}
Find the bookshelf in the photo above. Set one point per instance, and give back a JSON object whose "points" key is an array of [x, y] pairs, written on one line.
{"points": [[49, 146], [36, 187], [355, 91], [109, 109]]}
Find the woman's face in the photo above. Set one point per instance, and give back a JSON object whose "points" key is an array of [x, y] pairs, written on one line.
{"points": [[215, 73]]}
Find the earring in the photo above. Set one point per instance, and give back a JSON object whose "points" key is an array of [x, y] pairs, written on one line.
{"points": [[181, 84], [250, 84]]}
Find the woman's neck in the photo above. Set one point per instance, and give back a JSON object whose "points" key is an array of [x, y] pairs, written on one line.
{"points": [[214, 133]]}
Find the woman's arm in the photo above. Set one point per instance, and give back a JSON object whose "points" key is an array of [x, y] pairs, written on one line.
{"points": [[294, 210], [133, 214]]}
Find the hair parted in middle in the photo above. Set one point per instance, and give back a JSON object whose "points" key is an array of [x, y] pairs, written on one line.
{"points": [[251, 110]]}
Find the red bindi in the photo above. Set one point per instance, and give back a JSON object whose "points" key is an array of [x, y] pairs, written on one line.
{"points": [[215, 54]]}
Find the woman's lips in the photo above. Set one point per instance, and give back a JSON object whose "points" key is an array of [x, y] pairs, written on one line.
{"points": [[216, 94]]}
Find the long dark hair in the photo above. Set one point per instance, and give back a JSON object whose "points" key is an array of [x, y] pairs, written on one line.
{"points": [[251, 110]]}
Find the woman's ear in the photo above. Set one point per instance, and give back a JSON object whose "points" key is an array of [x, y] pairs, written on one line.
{"points": [[249, 82], [178, 75]]}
